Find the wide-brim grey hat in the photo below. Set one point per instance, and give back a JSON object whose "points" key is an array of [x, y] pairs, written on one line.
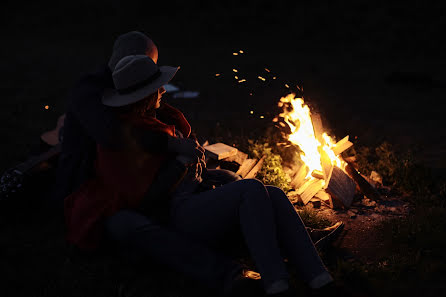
{"points": [[136, 77], [130, 43]]}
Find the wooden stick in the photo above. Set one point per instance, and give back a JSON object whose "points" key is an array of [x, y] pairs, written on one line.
{"points": [[342, 145], [256, 168], [363, 185], [246, 167], [299, 178], [341, 187], [311, 190]]}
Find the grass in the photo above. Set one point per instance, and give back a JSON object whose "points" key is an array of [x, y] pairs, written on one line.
{"points": [[312, 218]]}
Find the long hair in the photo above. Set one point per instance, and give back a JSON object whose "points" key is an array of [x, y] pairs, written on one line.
{"points": [[141, 108]]}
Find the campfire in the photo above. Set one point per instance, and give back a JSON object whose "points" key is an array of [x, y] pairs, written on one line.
{"points": [[321, 176]]}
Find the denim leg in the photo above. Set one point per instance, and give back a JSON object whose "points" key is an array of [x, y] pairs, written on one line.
{"points": [[293, 237], [136, 236], [245, 204], [221, 176]]}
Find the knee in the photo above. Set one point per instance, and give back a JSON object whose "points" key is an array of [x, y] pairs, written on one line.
{"points": [[123, 224], [252, 184], [278, 196]]}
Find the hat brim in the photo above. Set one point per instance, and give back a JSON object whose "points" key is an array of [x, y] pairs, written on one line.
{"points": [[113, 98]]}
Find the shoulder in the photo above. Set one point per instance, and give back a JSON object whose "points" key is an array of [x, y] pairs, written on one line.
{"points": [[91, 83]]}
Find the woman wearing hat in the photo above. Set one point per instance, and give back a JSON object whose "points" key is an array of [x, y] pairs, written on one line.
{"points": [[261, 213]]}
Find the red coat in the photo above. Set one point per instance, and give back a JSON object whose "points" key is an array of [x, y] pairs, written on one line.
{"points": [[122, 179]]}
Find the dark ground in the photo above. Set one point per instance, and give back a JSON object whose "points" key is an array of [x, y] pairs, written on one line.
{"points": [[374, 71]]}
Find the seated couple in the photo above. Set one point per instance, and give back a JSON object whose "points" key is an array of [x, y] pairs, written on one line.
{"points": [[132, 188]]}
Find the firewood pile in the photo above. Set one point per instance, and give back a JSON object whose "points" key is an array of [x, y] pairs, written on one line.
{"points": [[333, 187], [324, 177]]}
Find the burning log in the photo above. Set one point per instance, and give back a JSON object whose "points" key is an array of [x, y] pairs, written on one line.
{"points": [[309, 189], [363, 185], [341, 188], [299, 178], [342, 145], [317, 126]]}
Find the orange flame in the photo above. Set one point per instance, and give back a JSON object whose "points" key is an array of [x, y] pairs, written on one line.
{"points": [[303, 135]]}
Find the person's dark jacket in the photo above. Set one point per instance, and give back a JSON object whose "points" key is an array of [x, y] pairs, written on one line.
{"points": [[122, 181], [88, 122]]}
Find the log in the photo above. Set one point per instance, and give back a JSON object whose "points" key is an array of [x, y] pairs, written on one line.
{"points": [[341, 188], [325, 198], [256, 168], [327, 165], [220, 151], [367, 189], [238, 158], [318, 128], [246, 167], [317, 174], [309, 189], [299, 178], [342, 145]]}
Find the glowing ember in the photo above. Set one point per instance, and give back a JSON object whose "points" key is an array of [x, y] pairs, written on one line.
{"points": [[242, 80], [47, 107], [261, 78], [303, 135]]}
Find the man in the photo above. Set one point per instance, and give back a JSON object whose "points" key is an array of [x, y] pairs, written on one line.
{"points": [[88, 122]]}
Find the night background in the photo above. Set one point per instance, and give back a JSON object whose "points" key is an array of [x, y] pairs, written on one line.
{"points": [[374, 70]]}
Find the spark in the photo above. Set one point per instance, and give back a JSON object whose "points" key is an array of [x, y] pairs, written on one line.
{"points": [[240, 51], [250, 94], [274, 77], [235, 70], [261, 78], [235, 54], [236, 77], [217, 74], [47, 107], [267, 70], [286, 85], [251, 112], [262, 117], [242, 80]]}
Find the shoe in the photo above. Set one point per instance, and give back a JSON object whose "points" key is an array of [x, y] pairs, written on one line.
{"points": [[323, 237], [246, 283]]}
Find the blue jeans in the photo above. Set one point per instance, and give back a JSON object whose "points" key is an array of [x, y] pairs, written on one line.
{"points": [[268, 221], [139, 239]]}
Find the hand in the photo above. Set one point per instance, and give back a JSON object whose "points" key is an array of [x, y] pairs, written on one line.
{"points": [[195, 166], [187, 147]]}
